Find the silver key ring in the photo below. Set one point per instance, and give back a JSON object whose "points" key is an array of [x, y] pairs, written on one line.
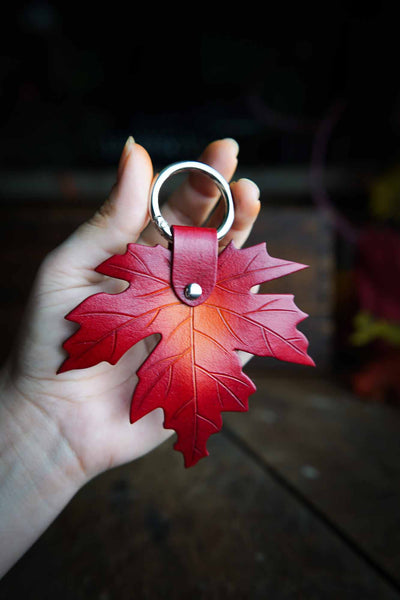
{"points": [[189, 165]]}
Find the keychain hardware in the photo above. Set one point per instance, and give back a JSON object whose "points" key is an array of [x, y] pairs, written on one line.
{"points": [[190, 165]]}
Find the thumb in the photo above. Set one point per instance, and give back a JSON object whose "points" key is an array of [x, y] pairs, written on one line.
{"points": [[119, 221]]}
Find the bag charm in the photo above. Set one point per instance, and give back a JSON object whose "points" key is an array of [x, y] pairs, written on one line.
{"points": [[202, 305]]}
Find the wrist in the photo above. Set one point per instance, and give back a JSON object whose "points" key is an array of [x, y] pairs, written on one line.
{"points": [[26, 424], [39, 472]]}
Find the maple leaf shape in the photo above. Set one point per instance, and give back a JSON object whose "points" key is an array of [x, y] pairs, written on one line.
{"points": [[194, 373]]}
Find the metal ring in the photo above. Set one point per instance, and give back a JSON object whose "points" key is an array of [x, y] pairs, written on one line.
{"points": [[221, 183]]}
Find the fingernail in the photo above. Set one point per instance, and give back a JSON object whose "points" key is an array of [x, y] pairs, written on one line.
{"points": [[130, 142], [254, 185], [234, 143]]}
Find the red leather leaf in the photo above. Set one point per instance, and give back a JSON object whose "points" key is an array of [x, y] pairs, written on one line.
{"points": [[194, 372]]}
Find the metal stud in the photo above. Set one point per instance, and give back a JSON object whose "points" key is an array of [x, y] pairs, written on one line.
{"points": [[193, 291]]}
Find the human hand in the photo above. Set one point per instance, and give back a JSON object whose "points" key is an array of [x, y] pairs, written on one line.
{"points": [[90, 407]]}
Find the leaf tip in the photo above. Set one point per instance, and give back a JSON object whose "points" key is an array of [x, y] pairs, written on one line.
{"points": [[63, 368], [310, 362], [300, 266], [190, 460], [302, 315], [132, 416]]}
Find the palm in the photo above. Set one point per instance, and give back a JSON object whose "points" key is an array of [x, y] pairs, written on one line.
{"points": [[92, 403], [91, 406]]}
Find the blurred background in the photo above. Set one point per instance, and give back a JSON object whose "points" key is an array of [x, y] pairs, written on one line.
{"points": [[312, 95]]}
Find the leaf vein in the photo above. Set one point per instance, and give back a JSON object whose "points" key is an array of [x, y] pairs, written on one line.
{"points": [[206, 335], [213, 376], [140, 260], [247, 273], [208, 421], [262, 327], [139, 274], [229, 328]]}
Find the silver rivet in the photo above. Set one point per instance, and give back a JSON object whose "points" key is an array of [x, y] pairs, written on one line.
{"points": [[193, 291]]}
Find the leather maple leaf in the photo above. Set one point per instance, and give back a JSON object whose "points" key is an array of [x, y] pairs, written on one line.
{"points": [[194, 373]]}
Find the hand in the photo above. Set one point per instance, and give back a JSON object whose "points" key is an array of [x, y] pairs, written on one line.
{"points": [[90, 407], [58, 431]]}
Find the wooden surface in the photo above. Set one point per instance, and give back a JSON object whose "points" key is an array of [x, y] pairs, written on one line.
{"points": [[340, 453], [298, 499]]}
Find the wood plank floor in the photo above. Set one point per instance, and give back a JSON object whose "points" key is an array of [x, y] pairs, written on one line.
{"points": [[340, 453], [298, 499]]}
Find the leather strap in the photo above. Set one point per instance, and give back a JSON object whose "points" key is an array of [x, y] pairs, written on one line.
{"points": [[194, 260]]}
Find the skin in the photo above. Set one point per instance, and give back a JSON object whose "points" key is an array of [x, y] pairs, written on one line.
{"points": [[59, 431]]}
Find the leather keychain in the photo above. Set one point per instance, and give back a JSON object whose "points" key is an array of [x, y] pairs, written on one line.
{"points": [[202, 305]]}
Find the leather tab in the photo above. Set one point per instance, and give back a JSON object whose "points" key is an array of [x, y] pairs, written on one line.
{"points": [[194, 260]]}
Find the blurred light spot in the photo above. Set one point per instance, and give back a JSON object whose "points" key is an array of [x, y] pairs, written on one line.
{"points": [[268, 416], [260, 557], [324, 402], [309, 472], [38, 16]]}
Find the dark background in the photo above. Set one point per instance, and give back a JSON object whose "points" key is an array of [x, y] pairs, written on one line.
{"points": [[74, 82]]}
